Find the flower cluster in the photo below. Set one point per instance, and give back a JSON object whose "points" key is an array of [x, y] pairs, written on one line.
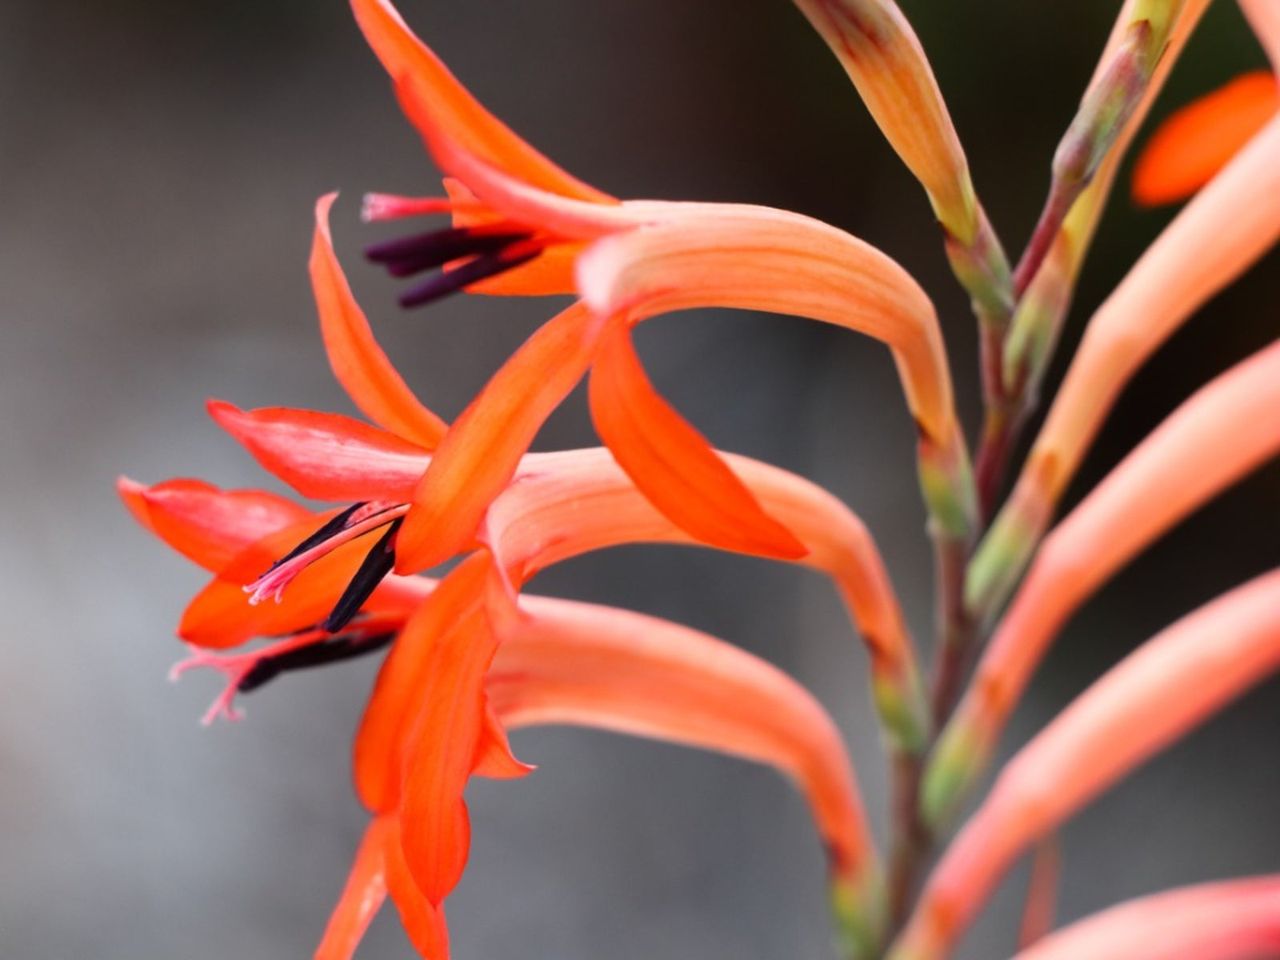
{"points": [[471, 656]]}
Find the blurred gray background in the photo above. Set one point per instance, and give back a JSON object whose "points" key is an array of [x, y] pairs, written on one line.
{"points": [[158, 162]]}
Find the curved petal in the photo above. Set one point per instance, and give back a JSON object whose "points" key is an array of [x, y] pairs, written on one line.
{"points": [[325, 456], [612, 669], [205, 524], [754, 258], [1265, 20], [423, 921], [362, 895], [671, 463], [1227, 920], [567, 503], [1196, 142], [380, 748], [1219, 435], [1156, 695], [481, 451], [442, 106], [364, 371]]}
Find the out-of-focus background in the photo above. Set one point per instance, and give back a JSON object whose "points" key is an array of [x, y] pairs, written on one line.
{"points": [[158, 163]]}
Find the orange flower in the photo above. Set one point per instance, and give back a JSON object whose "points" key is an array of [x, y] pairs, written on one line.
{"points": [[523, 221], [439, 711]]}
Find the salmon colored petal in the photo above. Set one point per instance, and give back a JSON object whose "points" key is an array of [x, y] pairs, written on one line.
{"points": [[326, 456], [440, 755], [442, 106], [423, 921], [205, 524], [612, 669], [671, 463], [361, 898], [358, 362], [380, 741], [1264, 17], [1227, 920], [754, 258], [567, 503], [494, 758], [1169, 686], [1223, 432], [1195, 143], [479, 455]]}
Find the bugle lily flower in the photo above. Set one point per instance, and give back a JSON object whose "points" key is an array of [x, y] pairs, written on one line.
{"points": [[561, 662], [630, 261], [1167, 687]]}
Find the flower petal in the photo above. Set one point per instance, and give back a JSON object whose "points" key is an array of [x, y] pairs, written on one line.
{"points": [[612, 669], [441, 752], [1227, 920], [442, 106], [423, 921], [361, 898], [205, 524], [1195, 143], [358, 362], [481, 451], [753, 258], [380, 741], [1170, 685], [671, 463], [326, 456]]}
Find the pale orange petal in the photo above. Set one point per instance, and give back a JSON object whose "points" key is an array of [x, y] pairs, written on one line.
{"points": [[1227, 920], [613, 669], [362, 896], [671, 463], [364, 371]]}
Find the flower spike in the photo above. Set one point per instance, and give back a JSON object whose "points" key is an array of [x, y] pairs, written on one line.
{"points": [[1228, 225], [1166, 688], [1216, 437]]}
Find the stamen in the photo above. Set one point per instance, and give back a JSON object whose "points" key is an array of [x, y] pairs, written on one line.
{"points": [[377, 564], [484, 251], [473, 271], [388, 206], [252, 669], [349, 525]]}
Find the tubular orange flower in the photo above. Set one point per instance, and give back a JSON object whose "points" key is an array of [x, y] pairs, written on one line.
{"points": [[562, 662], [707, 255], [1169, 686], [1227, 920], [1217, 436]]}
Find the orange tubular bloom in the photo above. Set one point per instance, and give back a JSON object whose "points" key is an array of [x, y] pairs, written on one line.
{"points": [[630, 260], [1228, 225], [1153, 697], [1227, 920], [1220, 434], [560, 662]]}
